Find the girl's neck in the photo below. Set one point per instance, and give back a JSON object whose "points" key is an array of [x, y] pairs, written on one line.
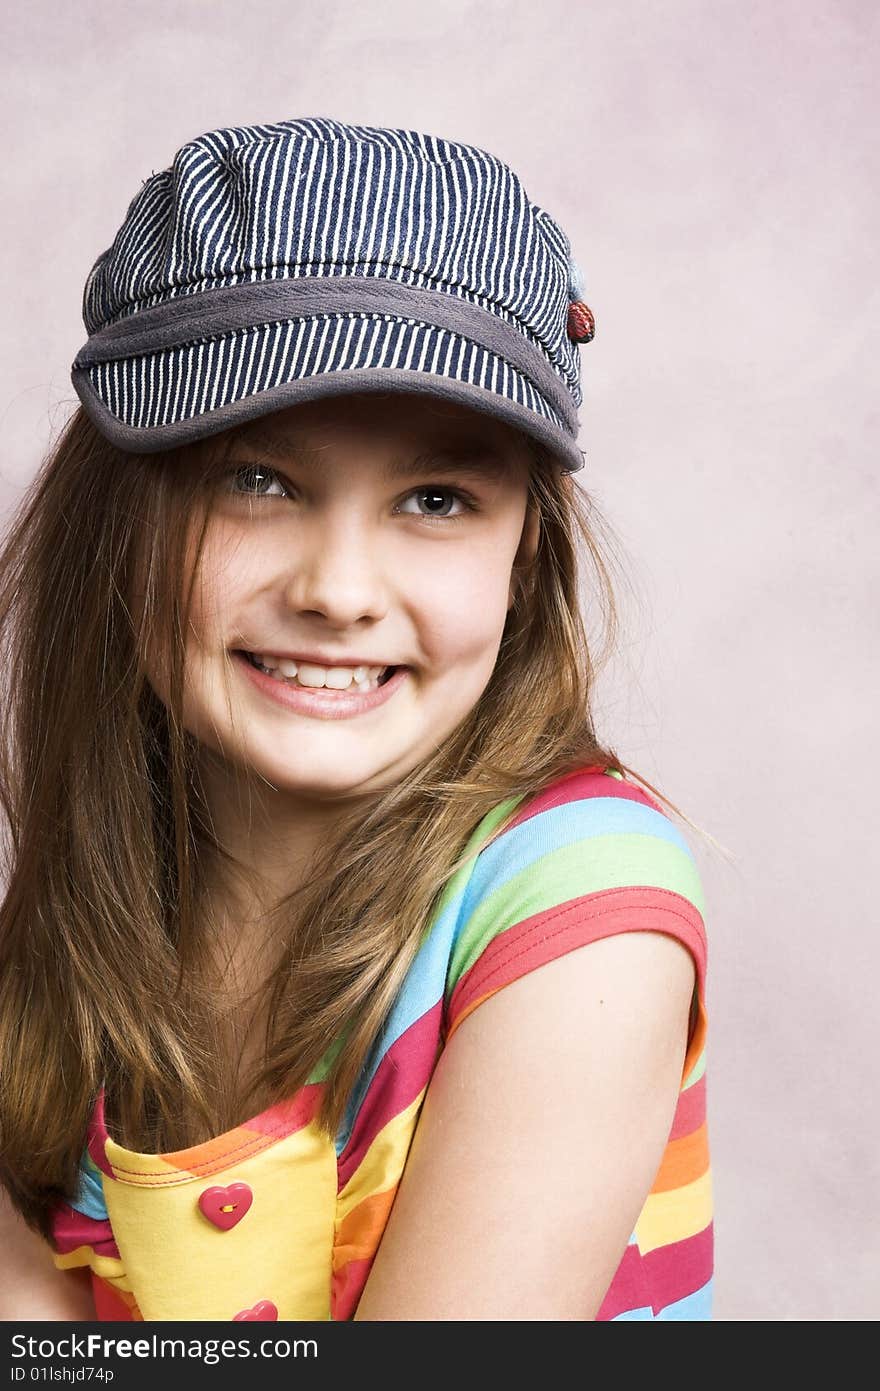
{"points": [[272, 840]]}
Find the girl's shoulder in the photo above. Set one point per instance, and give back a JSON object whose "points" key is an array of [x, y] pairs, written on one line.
{"points": [[588, 856]]}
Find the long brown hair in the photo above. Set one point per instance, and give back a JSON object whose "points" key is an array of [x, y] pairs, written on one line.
{"points": [[105, 972]]}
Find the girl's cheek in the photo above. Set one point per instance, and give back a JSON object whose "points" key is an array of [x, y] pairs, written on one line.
{"points": [[220, 583], [461, 616]]}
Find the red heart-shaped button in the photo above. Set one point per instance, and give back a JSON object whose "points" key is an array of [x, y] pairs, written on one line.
{"points": [[265, 1311], [226, 1206]]}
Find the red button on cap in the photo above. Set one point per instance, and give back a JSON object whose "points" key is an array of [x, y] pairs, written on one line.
{"points": [[581, 324], [226, 1206], [265, 1311]]}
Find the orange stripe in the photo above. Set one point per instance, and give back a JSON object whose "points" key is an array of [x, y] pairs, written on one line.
{"points": [[684, 1160], [460, 1018], [358, 1236], [697, 1043], [208, 1153], [283, 1119]]}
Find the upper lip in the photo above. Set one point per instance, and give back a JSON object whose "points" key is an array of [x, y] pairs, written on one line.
{"points": [[314, 659]]}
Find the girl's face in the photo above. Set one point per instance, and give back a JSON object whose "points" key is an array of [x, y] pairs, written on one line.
{"points": [[357, 532]]}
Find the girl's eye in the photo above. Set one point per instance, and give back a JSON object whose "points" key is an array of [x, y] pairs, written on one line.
{"points": [[256, 480], [437, 502]]}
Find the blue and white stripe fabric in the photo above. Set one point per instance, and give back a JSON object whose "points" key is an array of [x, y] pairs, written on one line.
{"points": [[276, 263]]}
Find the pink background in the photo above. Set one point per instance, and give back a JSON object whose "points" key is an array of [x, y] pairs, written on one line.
{"points": [[714, 165]]}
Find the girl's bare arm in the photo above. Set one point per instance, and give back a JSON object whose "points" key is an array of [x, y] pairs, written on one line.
{"points": [[539, 1140], [32, 1287]]}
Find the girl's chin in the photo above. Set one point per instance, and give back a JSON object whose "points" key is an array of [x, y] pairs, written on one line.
{"points": [[320, 783]]}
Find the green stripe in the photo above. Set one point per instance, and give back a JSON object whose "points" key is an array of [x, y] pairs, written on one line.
{"points": [[587, 866], [698, 1070], [322, 1068], [480, 833]]}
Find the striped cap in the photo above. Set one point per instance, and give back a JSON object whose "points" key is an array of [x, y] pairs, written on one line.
{"points": [[274, 264]]}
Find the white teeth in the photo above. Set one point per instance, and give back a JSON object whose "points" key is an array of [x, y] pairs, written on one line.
{"points": [[337, 678], [310, 674]]}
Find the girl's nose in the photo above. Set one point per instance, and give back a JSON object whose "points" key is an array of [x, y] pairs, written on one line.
{"points": [[337, 571]]}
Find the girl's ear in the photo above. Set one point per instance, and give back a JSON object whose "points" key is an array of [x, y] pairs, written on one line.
{"points": [[526, 551]]}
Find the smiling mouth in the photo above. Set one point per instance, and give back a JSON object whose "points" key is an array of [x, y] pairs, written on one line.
{"points": [[363, 679]]}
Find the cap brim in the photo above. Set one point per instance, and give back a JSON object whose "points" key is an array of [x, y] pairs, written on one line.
{"points": [[150, 384]]}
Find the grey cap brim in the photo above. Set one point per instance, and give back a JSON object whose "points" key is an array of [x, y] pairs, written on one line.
{"points": [[204, 362]]}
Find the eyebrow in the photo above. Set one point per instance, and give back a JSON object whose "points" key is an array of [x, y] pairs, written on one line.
{"points": [[470, 455]]}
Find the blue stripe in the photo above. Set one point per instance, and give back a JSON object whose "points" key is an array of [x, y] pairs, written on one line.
{"points": [[421, 991], [694, 1306], [89, 1197], [424, 985], [573, 821]]}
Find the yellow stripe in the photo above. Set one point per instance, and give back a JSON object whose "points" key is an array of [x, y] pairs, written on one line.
{"points": [[382, 1165], [676, 1214], [108, 1267]]}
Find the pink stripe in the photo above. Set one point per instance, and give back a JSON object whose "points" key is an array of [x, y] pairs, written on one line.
{"points": [[71, 1229], [109, 1306], [346, 1288], [550, 934], [289, 1115], [97, 1136], [681, 1268], [690, 1112], [664, 1276], [580, 784], [629, 1288], [397, 1081]]}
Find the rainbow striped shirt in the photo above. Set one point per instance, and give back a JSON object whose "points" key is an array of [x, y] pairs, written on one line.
{"points": [[275, 1220]]}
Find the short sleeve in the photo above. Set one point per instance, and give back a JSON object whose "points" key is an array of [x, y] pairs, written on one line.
{"points": [[589, 857]]}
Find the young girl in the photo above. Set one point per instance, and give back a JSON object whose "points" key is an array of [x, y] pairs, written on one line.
{"points": [[344, 972]]}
